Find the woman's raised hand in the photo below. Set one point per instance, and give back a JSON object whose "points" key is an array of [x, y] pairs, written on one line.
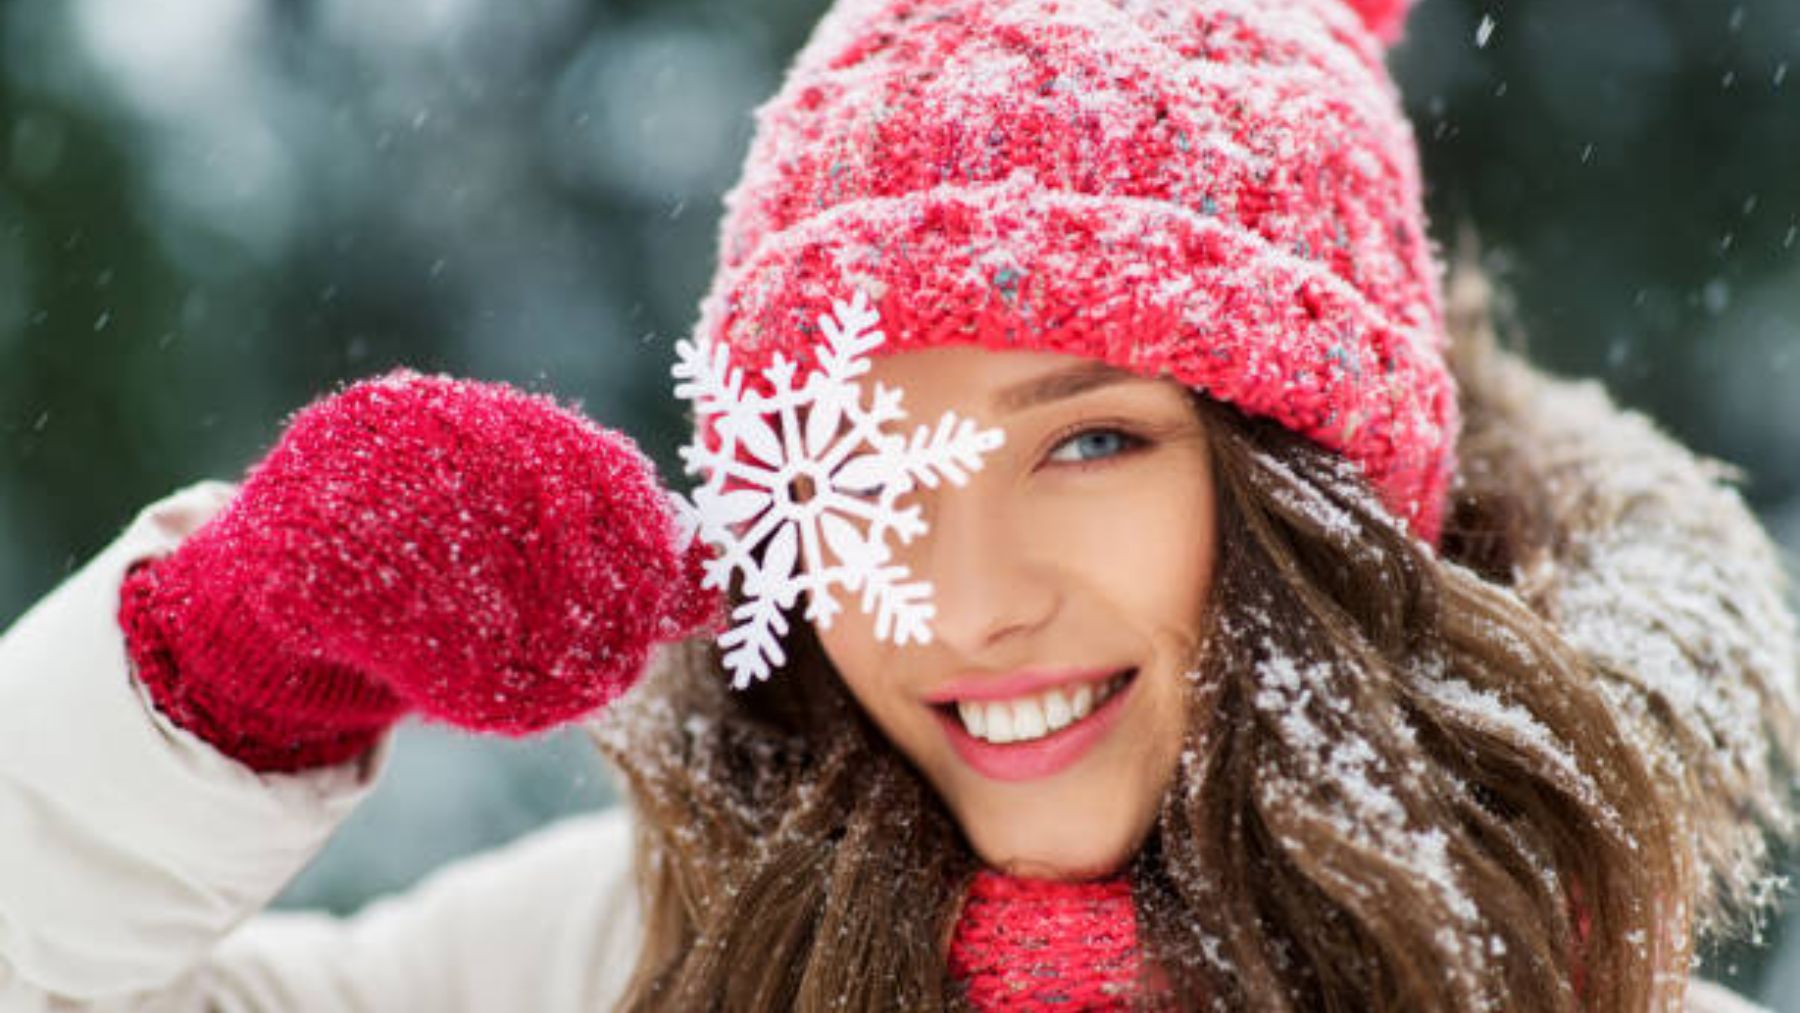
{"points": [[459, 548]]}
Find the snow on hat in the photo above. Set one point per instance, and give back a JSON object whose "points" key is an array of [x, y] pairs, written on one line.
{"points": [[1225, 192]]}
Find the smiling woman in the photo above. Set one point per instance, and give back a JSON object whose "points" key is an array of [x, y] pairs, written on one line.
{"points": [[1070, 576], [1247, 633], [1194, 662]]}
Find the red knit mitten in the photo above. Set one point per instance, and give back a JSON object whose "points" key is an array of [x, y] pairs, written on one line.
{"points": [[463, 549]]}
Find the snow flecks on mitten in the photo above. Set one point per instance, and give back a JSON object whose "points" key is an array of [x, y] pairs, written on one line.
{"points": [[415, 543]]}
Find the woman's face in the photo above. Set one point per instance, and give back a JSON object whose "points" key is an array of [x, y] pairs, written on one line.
{"points": [[1070, 577]]}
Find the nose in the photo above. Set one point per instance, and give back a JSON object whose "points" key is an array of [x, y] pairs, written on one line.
{"points": [[991, 585]]}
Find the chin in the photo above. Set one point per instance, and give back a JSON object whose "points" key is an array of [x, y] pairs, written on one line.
{"points": [[1077, 856]]}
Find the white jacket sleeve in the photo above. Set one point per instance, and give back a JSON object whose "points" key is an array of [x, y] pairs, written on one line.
{"points": [[135, 859], [548, 923], [128, 846]]}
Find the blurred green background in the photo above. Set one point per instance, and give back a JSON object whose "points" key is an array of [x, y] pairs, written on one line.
{"points": [[213, 211]]}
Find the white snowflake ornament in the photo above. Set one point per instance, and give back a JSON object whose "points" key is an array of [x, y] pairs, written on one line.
{"points": [[807, 468]]}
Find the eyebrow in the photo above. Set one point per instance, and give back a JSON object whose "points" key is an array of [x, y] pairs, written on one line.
{"points": [[1063, 383]]}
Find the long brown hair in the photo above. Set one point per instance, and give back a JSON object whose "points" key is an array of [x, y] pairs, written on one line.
{"points": [[1400, 790]]}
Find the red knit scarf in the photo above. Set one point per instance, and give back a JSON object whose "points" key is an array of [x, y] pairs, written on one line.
{"points": [[1030, 944]]}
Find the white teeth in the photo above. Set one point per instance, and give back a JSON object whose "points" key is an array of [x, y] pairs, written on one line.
{"points": [[1083, 703], [974, 717], [1028, 720], [999, 723], [1033, 717]]}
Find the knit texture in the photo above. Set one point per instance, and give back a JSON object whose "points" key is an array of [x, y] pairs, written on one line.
{"points": [[1225, 192], [1032, 944], [483, 556]]}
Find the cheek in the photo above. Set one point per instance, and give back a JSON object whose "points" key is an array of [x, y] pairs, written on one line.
{"points": [[1144, 551], [849, 646], [865, 666]]}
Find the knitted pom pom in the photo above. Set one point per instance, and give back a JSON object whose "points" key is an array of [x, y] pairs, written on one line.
{"points": [[1386, 18]]}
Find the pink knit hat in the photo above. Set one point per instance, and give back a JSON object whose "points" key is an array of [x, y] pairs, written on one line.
{"points": [[1225, 192]]}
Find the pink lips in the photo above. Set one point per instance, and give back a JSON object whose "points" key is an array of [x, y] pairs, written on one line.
{"points": [[1024, 761]]}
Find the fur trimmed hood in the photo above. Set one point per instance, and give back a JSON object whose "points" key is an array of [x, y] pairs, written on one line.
{"points": [[1645, 556]]}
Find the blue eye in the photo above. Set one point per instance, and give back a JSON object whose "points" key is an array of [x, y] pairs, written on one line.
{"points": [[1094, 444]]}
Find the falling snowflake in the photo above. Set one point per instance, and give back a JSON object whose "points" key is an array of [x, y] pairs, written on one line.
{"points": [[805, 469]]}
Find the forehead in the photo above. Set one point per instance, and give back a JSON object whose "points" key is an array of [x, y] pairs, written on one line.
{"points": [[1003, 380]]}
